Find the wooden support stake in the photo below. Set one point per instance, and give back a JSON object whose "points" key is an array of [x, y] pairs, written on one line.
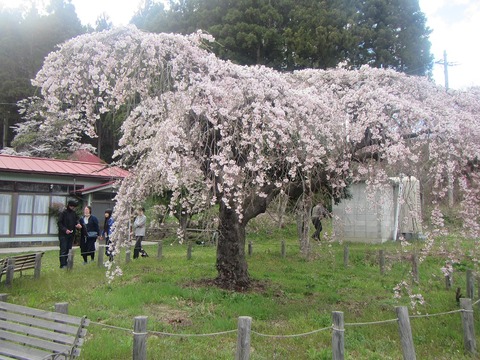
{"points": [[160, 250], [250, 248], [416, 277], [10, 272], [243, 338], [100, 253], [70, 259], [140, 338], [283, 252], [61, 308], [38, 265], [189, 251], [381, 260], [448, 282], [405, 331], [468, 326], [346, 253], [470, 284], [338, 336]]}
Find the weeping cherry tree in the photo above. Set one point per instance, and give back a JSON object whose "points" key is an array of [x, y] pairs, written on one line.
{"points": [[217, 134]]}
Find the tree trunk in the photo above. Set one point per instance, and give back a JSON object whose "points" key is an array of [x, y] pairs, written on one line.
{"points": [[303, 224], [231, 262]]}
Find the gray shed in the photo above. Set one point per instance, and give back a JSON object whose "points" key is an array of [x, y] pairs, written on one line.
{"points": [[379, 215]]}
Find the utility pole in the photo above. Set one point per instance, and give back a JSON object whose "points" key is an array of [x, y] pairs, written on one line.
{"points": [[445, 64], [5, 132]]}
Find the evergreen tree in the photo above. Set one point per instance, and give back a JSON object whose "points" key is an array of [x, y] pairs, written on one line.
{"points": [[287, 34], [25, 41]]}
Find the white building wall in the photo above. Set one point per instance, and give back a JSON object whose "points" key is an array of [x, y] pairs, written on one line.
{"points": [[370, 217]]}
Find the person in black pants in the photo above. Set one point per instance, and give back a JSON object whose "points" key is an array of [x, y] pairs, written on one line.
{"points": [[139, 226], [318, 212], [67, 225], [90, 232]]}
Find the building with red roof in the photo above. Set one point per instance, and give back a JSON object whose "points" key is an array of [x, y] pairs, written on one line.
{"points": [[33, 190]]}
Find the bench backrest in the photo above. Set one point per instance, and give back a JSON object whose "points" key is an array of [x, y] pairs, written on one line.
{"points": [[28, 333]]}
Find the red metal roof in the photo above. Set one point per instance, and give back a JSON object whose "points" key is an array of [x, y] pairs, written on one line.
{"points": [[85, 156], [32, 165]]}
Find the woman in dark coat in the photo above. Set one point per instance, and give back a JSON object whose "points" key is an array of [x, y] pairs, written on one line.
{"points": [[90, 232]]}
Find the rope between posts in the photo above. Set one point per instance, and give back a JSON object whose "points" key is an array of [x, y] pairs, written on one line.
{"points": [[293, 335], [163, 333], [193, 335], [438, 314], [372, 322]]}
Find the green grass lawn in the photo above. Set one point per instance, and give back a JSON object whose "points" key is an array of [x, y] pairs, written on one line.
{"points": [[291, 296]]}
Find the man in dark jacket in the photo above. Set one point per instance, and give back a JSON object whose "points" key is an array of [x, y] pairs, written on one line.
{"points": [[318, 213], [68, 222]]}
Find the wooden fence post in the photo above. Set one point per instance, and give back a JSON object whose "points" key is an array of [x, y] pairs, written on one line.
{"points": [[469, 284], [70, 259], [140, 338], [10, 272], [38, 265], [338, 336], [468, 326], [448, 281], [243, 338], [405, 330], [61, 308], [478, 290], [189, 250], [160, 249], [381, 260], [250, 248], [283, 252], [416, 277], [100, 253], [346, 252]]}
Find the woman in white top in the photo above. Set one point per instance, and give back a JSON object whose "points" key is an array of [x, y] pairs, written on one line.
{"points": [[90, 232]]}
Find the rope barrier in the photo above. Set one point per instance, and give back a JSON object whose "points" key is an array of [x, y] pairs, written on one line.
{"points": [[372, 322], [110, 326], [285, 336], [163, 333], [293, 335], [193, 335], [438, 314]]}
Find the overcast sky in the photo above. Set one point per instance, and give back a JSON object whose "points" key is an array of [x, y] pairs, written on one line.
{"points": [[454, 24]]}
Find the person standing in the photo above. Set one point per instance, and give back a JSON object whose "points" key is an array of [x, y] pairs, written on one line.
{"points": [[318, 212], [68, 223], [90, 231], [107, 231], [139, 226]]}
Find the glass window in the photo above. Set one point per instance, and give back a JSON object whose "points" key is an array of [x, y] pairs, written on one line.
{"points": [[33, 214], [5, 210]]}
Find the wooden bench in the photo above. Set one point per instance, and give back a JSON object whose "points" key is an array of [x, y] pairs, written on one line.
{"points": [[31, 334], [20, 263]]}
